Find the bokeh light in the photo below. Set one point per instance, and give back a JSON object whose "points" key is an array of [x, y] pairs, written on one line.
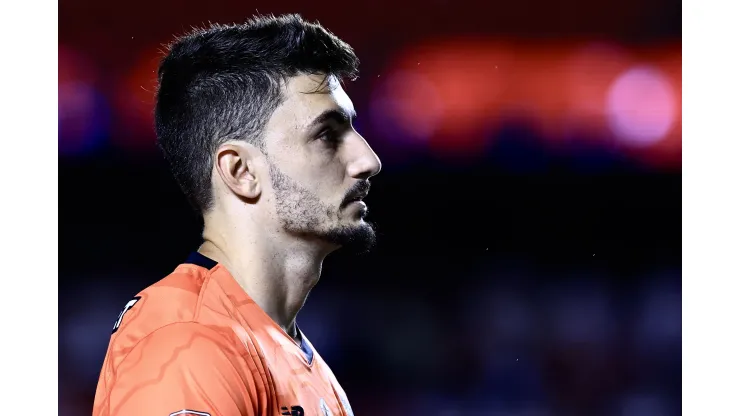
{"points": [[408, 103], [83, 110], [135, 100], [589, 73], [472, 79], [641, 106]]}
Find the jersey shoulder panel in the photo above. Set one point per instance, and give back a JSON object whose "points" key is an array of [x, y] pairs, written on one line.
{"points": [[174, 299]]}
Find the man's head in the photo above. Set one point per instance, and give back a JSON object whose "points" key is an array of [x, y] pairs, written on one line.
{"points": [[255, 116]]}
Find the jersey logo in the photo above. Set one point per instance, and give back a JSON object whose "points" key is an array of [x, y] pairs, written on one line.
{"points": [[294, 411], [186, 412], [126, 308], [324, 408]]}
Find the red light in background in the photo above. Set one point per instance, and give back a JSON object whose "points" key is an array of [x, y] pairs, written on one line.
{"points": [[472, 79], [135, 99], [589, 73], [75, 67], [667, 152], [468, 80], [537, 93], [560, 89]]}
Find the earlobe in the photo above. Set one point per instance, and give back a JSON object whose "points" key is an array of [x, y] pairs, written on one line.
{"points": [[236, 169]]}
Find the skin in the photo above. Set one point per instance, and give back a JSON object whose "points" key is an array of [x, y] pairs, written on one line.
{"points": [[279, 210]]}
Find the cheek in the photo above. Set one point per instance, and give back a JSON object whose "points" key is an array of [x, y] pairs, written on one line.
{"points": [[327, 178], [329, 193], [321, 172]]}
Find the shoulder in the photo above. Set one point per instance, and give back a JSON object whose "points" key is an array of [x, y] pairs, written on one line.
{"points": [[170, 300], [191, 343], [195, 348], [168, 308]]}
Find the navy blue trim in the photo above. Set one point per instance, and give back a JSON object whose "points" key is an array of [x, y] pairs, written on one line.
{"points": [[201, 260], [305, 347]]}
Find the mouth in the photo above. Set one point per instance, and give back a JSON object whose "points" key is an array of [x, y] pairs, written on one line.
{"points": [[361, 191], [357, 198], [357, 201]]}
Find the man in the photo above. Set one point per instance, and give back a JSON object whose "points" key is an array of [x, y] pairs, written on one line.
{"points": [[257, 129]]}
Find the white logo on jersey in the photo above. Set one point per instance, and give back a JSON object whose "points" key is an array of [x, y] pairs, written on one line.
{"points": [[126, 308], [324, 408], [187, 412]]}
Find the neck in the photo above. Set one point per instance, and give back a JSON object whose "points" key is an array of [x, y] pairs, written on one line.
{"points": [[276, 272]]}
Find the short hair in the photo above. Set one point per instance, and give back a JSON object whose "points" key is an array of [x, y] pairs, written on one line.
{"points": [[224, 82]]}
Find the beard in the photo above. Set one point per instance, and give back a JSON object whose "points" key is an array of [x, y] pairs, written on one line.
{"points": [[302, 213]]}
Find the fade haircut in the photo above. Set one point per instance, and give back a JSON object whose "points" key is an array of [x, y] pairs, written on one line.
{"points": [[224, 82]]}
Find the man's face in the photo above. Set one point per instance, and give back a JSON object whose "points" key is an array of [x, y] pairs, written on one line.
{"points": [[319, 166]]}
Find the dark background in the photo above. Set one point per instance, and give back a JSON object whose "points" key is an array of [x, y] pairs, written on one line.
{"points": [[529, 207]]}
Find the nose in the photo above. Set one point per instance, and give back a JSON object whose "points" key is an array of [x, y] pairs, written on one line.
{"points": [[363, 162]]}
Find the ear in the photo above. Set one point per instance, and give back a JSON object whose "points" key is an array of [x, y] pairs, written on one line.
{"points": [[235, 164]]}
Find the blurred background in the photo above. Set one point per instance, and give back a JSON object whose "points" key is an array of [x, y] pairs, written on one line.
{"points": [[529, 207]]}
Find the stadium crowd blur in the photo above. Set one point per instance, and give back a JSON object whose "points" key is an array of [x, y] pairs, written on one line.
{"points": [[529, 207]]}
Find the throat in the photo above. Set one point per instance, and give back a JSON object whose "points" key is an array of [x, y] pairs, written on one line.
{"points": [[279, 281]]}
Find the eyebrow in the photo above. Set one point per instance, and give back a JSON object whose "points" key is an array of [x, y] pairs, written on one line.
{"points": [[340, 116]]}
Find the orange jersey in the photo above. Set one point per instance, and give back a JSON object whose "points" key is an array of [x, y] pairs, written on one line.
{"points": [[195, 343]]}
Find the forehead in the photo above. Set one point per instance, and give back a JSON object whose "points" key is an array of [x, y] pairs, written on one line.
{"points": [[307, 97]]}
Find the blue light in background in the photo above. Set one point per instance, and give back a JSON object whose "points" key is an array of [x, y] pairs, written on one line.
{"points": [[84, 119], [83, 110]]}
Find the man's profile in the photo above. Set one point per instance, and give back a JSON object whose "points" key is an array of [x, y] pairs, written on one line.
{"points": [[257, 129]]}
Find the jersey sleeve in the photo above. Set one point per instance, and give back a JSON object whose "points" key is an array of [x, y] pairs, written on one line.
{"points": [[186, 369]]}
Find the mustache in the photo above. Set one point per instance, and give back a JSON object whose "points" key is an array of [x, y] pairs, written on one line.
{"points": [[358, 190]]}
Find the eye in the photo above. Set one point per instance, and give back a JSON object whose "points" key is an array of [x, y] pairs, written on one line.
{"points": [[330, 136]]}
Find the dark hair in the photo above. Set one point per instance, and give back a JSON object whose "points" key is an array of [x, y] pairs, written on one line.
{"points": [[224, 82]]}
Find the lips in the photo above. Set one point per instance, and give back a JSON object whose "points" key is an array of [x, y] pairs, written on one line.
{"points": [[356, 198], [352, 201], [360, 192]]}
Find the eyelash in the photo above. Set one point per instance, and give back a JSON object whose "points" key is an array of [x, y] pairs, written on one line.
{"points": [[329, 135]]}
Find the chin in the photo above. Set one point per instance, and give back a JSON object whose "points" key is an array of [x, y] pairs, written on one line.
{"points": [[358, 237]]}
